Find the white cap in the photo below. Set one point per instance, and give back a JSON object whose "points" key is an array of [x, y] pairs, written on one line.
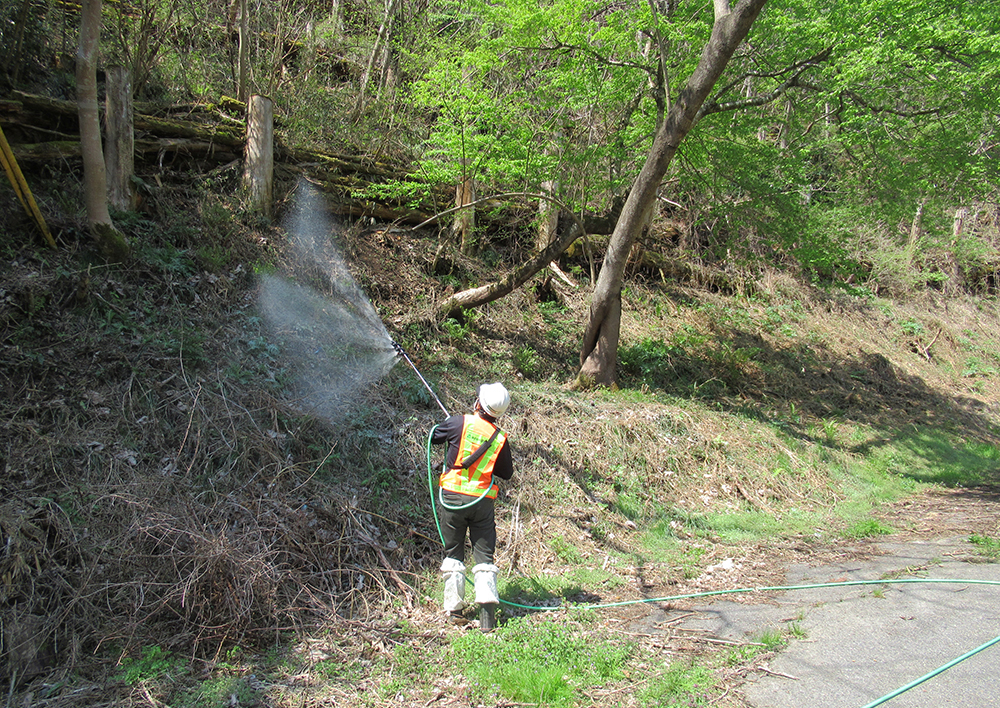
{"points": [[494, 399]]}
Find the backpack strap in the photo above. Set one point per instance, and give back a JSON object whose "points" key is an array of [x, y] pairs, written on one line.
{"points": [[479, 452]]}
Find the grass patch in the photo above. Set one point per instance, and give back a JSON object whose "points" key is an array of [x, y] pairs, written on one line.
{"points": [[770, 640], [412, 666], [539, 663], [680, 557], [867, 528], [988, 546], [681, 685], [940, 457], [154, 663]]}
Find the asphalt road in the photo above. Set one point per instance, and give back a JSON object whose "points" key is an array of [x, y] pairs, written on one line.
{"points": [[862, 643]]}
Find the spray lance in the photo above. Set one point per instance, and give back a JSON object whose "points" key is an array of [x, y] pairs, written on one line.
{"points": [[399, 350]]}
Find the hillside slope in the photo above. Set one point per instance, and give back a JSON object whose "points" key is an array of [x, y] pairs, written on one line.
{"points": [[172, 481]]}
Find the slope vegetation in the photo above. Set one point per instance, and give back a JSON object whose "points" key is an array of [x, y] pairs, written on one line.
{"points": [[183, 515]]}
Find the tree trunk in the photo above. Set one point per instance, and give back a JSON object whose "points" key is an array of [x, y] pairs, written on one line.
{"points": [[243, 58], [111, 242], [916, 231], [381, 39], [120, 149], [258, 170], [548, 216], [465, 223], [954, 270], [16, 45], [599, 352]]}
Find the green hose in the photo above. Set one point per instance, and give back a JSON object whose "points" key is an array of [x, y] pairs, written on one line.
{"points": [[768, 588], [932, 674]]}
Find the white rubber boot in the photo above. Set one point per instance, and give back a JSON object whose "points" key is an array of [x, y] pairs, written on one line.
{"points": [[486, 584], [454, 584]]}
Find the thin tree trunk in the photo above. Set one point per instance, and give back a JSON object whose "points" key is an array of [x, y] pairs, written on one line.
{"points": [[916, 231], [465, 223], [955, 270], [384, 33], [548, 212], [243, 58], [16, 47], [548, 216], [111, 242]]}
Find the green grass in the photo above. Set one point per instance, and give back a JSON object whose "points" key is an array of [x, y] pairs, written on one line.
{"points": [[988, 546], [153, 664], [681, 685], [533, 591], [939, 456], [679, 556], [867, 528], [770, 640], [539, 662]]}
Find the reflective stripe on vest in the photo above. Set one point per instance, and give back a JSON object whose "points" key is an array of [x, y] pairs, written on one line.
{"points": [[479, 477]]}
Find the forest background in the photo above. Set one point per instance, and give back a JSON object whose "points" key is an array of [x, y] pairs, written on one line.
{"points": [[802, 326]]}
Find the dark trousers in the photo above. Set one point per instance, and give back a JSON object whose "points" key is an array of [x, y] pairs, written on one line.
{"points": [[477, 520]]}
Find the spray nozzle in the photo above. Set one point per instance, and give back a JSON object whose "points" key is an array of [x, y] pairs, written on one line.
{"points": [[398, 347]]}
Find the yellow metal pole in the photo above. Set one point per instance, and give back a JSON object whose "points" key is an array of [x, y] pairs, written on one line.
{"points": [[21, 188]]}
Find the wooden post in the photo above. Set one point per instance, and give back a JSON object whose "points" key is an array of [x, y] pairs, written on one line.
{"points": [[119, 144], [258, 167]]}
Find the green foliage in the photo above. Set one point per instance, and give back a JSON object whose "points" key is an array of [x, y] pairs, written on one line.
{"points": [[539, 591], [544, 662], [566, 552], [974, 366], [406, 192], [218, 692], [154, 663], [168, 259], [459, 330], [527, 362], [936, 455], [650, 360]]}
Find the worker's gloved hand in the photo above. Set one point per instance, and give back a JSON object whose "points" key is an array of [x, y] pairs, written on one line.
{"points": [[486, 583], [454, 584]]}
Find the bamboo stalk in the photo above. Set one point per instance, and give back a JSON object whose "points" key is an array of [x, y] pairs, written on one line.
{"points": [[20, 185]]}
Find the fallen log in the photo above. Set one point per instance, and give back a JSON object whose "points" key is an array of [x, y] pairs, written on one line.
{"points": [[357, 185]]}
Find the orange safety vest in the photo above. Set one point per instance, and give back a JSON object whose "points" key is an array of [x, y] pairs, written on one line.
{"points": [[479, 476]]}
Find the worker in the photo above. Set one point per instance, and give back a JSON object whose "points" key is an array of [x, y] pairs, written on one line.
{"points": [[478, 455]]}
